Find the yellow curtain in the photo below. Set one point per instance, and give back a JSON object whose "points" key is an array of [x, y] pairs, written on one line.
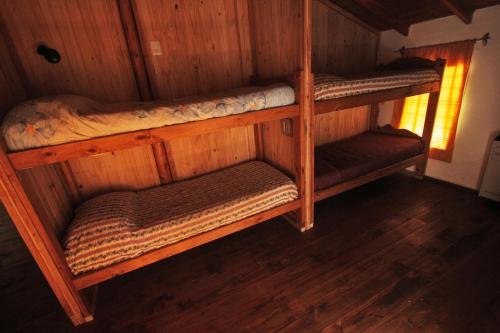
{"points": [[410, 113]]}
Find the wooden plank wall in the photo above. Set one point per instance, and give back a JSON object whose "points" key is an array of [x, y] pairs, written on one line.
{"points": [[276, 53], [342, 45], [205, 46]]}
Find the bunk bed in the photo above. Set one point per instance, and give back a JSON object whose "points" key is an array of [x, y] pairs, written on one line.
{"points": [[99, 238], [354, 161], [58, 128], [117, 232]]}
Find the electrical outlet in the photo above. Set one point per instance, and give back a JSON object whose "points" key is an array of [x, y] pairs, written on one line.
{"points": [[287, 127], [155, 48]]}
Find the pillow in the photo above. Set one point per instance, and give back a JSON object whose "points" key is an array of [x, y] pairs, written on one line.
{"points": [[408, 63]]}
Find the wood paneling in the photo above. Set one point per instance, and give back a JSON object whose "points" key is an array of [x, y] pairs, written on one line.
{"points": [[11, 89], [49, 196], [200, 45], [205, 47], [334, 126], [88, 35], [204, 153], [343, 46], [279, 149], [94, 62], [129, 169], [276, 37]]}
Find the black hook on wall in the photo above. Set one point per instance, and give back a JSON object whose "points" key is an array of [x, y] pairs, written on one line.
{"points": [[49, 54]]}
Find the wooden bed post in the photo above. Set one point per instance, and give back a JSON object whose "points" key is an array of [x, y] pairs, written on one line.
{"points": [[42, 245], [374, 111], [137, 57], [305, 174], [430, 117]]}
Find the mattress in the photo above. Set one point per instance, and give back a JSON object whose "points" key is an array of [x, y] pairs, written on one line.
{"points": [[346, 159], [116, 226], [328, 86], [55, 120]]}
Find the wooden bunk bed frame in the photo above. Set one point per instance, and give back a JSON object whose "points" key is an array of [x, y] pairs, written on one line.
{"points": [[72, 291], [373, 100]]}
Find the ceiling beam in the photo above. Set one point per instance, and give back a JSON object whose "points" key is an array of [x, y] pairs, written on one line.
{"points": [[374, 13], [457, 9]]}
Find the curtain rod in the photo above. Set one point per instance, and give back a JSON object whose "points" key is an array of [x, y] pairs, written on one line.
{"points": [[484, 40]]}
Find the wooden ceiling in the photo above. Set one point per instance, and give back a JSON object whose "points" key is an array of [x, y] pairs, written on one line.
{"points": [[400, 14]]}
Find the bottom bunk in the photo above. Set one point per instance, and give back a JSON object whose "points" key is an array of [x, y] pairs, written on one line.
{"points": [[117, 232], [354, 161]]}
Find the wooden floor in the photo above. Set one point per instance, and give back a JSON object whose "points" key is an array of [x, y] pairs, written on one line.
{"points": [[397, 255]]}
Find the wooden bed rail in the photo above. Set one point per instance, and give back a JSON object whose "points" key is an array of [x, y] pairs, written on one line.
{"points": [[42, 244], [53, 154], [86, 280], [369, 177], [342, 103], [348, 102]]}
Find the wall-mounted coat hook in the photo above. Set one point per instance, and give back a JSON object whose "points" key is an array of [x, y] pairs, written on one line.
{"points": [[49, 54]]}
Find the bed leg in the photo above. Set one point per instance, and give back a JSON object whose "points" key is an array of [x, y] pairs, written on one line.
{"points": [[295, 221], [430, 117], [420, 169]]}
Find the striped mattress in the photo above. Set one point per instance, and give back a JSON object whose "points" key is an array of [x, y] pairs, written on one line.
{"points": [[117, 226], [54, 120], [328, 86]]}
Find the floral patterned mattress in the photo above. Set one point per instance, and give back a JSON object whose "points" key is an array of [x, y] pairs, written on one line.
{"points": [[55, 120]]}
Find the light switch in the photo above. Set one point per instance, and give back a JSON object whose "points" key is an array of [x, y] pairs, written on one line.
{"points": [[155, 48]]}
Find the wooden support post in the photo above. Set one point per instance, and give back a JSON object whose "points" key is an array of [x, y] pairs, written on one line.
{"points": [[304, 129], [374, 111], [430, 117], [259, 141], [135, 50], [70, 182], [162, 164], [44, 246], [142, 79]]}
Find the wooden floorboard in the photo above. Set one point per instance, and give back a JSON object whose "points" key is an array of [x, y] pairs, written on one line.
{"points": [[396, 255]]}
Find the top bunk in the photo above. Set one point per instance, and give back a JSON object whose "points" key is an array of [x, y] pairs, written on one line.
{"points": [[58, 128], [401, 78]]}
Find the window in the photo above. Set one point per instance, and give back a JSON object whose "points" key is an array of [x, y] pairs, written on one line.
{"points": [[410, 113]]}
